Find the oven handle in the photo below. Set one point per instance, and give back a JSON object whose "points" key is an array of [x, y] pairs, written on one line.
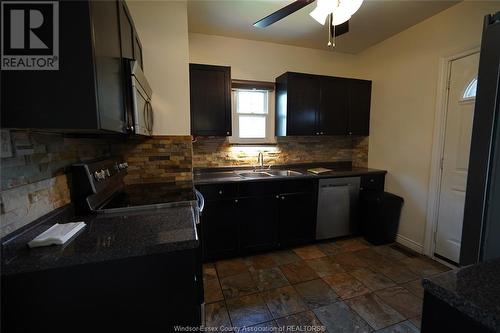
{"points": [[200, 199]]}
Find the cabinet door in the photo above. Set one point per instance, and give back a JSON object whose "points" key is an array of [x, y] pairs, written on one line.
{"points": [[297, 218], [126, 32], [359, 107], [258, 223], [219, 229], [210, 94], [109, 67], [303, 104], [127, 47], [56, 99], [138, 50], [334, 109]]}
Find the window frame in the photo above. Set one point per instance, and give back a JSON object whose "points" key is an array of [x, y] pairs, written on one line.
{"points": [[466, 90], [270, 137]]}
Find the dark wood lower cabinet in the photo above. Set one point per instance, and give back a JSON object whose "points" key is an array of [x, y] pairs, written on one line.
{"points": [[219, 229], [150, 293], [254, 223], [258, 223], [297, 218]]}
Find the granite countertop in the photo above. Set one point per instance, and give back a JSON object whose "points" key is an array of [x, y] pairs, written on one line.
{"points": [[473, 290], [217, 175], [106, 237]]}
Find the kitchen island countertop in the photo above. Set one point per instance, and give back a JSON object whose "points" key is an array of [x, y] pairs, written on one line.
{"points": [[473, 290]]}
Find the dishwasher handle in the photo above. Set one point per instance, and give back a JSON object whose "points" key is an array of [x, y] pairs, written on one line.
{"points": [[335, 185]]}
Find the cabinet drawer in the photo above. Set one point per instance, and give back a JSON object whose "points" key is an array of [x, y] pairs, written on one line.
{"points": [[298, 186], [373, 182], [251, 189], [218, 191]]}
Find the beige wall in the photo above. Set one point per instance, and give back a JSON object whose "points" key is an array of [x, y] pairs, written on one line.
{"points": [[404, 70], [254, 60], [162, 27]]}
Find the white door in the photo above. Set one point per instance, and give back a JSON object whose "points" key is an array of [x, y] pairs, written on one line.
{"points": [[455, 159]]}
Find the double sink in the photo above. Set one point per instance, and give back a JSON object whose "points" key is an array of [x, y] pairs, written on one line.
{"points": [[267, 173], [258, 173]]}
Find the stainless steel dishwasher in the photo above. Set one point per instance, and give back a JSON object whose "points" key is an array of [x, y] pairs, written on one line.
{"points": [[337, 207]]}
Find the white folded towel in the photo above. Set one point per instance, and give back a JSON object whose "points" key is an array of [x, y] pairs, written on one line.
{"points": [[58, 234]]}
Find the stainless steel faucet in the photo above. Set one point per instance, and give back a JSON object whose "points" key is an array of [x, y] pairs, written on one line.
{"points": [[260, 159]]}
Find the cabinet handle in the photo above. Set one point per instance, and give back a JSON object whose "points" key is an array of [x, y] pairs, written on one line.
{"points": [[277, 197], [236, 200], [350, 133], [321, 133], [361, 188], [282, 198], [372, 180], [227, 133], [220, 191], [317, 133]]}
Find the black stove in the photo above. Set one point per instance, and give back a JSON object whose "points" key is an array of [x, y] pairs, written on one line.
{"points": [[150, 194], [99, 186]]}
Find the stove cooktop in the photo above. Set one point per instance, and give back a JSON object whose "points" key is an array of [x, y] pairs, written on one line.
{"points": [[137, 195]]}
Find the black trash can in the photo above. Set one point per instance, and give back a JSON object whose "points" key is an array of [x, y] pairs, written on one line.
{"points": [[380, 217]]}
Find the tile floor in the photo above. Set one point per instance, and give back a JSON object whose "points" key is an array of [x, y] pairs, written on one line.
{"points": [[341, 286]]}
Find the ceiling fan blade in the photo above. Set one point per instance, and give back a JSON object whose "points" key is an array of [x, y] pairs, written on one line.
{"points": [[282, 13], [341, 29]]}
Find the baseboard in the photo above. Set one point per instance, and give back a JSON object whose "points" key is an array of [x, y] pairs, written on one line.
{"points": [[411, 244]]}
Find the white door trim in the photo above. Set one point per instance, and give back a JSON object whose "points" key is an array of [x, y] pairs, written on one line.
{"points": [[438, 147]]}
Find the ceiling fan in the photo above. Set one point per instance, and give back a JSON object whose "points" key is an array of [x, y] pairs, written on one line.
{"points": [[338, 13]]}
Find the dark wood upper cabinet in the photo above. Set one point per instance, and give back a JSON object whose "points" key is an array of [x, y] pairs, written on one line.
{"points": [[88, 93], [130, 42], [298, 115], [109, 66], [126, 32], [334, 110], [309, 104], [210, 95], [131, 50], [359, 107], [138, 50]]}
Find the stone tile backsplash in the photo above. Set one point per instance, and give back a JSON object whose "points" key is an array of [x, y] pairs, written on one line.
{"points": [[23, 204], [157, 159], [34, 164], [217, 151], [34, 167]]}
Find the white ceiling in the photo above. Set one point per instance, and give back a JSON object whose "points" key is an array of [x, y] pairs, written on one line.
{"points": [[375, 21]]}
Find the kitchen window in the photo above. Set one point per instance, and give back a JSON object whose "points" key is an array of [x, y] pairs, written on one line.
{"points": [[253, 113]]}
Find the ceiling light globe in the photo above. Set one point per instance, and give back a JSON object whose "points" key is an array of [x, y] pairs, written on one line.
{"points": [[350, 6], [340, 17], [319, 15]]}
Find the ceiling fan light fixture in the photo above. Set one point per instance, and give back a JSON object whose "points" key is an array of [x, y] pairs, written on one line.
{"points": [[319, 15], [323, 9], [342, 10], [339, 17], [351, 6]]}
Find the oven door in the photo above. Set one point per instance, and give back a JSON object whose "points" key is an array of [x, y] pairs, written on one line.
{"points": [[143, 112], [199, 271]]}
